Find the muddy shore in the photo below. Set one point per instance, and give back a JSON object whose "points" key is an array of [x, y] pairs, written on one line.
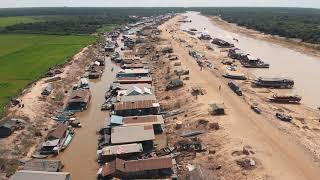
{"points": [[280, 150]]}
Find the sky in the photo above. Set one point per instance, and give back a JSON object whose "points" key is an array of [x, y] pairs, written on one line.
{"points": [[157, 3]]}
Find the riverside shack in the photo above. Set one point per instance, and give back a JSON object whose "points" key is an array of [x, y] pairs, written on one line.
{"points": [[136, 108], [160, 167], [78, 100]]}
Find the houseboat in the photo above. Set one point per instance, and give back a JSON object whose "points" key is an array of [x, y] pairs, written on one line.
{"points": [[274, 82], [253, 62], [222, 43], [285, 98]]}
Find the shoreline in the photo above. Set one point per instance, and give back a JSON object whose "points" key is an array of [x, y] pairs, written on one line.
{"points": [[305, 48], [272, 141]]}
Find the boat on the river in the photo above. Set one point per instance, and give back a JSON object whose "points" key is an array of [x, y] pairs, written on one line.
{"points": [[274, 82], [222, 43], [285, 98], [253, 62]]}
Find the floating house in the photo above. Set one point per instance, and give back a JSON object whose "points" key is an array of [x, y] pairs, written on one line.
{"points": [[136, 108], [222, 43], [78, 100], [40, 175], [43, 165], [109, 153], [137, 169], [55, 139], [237, 54], [274, 82], [132, 134], [155, 120]]}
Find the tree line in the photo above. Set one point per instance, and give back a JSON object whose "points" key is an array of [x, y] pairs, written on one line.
{"points": [[300, 23]]}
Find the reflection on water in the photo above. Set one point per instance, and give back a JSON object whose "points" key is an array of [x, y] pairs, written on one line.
{"points": [[284, 62]]}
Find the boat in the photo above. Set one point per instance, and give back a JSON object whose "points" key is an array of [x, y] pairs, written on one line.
{"points": [[235, 76], [252, 62], [256, 109], [106, 106], [39, 156], [75, 124], [285, 98], [235, 88], [67, 141], [274, 82], [284, 117], [62, 118]]}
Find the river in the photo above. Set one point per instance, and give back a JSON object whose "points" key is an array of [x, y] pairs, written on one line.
{"points": [[284, 62], [80, 158]]}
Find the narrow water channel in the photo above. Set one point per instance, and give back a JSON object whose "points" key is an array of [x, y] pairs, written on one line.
{"points": [[284, 62], [80, 157]]}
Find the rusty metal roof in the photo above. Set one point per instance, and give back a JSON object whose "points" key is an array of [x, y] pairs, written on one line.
{"points": [[151, 119], [58, 132], [144, 164], [135, 105], [129, 134], [133, 79]]}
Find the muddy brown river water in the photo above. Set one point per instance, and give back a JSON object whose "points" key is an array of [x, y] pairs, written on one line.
{"points": [[284, 62], [80, 157]]}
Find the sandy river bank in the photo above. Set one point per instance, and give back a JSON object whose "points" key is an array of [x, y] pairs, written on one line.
{"points": [[281, 150]]}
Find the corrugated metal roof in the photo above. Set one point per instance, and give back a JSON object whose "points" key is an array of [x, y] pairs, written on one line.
{"points": [[128, 86], [58, 132], [144, 164], [43, 165], [40, 175], [133, 79], [136, 98], [135, 71], [150, 119], [122, 149], [136, 105], [128, 134]]}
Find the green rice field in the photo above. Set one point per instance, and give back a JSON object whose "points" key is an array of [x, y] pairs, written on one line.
{"points": [[9, 21], [24, 58]]}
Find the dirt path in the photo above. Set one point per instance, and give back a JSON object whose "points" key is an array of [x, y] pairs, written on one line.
{"points": [[281, 157]]}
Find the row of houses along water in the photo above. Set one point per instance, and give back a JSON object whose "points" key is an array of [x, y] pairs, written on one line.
{"points": [[133, 138]]}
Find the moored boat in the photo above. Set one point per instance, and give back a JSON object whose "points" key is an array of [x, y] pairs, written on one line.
{"points": [[235, 76], [285, 98]]}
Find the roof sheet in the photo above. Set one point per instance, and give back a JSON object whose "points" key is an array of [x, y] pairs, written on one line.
{"points": [[144, 164], [122, 149], [43, 165], [136, 98], [137, 120], [58, 132], [40, 175], [136, 105], [120, 135]]}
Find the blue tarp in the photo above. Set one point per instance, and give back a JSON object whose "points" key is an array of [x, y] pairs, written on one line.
{"points": [[117, 120]]}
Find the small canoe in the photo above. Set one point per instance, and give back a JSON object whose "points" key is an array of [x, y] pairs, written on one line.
{"points": [[39, 156], [67, 141]]}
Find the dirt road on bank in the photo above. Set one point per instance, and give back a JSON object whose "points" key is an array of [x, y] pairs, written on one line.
{"points": [[279, 154]]}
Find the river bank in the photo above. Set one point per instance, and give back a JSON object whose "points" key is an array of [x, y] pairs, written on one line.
{"points": [[37, 110], [281, 150], [305, 48]]}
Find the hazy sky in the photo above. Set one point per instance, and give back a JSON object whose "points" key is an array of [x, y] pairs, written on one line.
{"points": [[153, 3]]}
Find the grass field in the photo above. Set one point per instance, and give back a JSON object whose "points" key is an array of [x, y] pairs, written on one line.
{"points": [[8, 21], [107, 28], [24, 58]]}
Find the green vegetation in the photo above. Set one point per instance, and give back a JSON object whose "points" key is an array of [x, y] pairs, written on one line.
{"points": [[298, 23], [106, 28], [24, 58], [67, 21], [9, 21]]}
